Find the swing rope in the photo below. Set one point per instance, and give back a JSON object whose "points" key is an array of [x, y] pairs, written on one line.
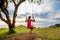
{"points": [[31, 8], [31, 5], [25, 9]]}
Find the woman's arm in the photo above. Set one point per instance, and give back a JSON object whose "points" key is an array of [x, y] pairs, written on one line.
{"points": [[26, 19], [33, 19]]}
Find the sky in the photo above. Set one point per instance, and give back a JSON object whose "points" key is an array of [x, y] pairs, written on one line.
{"points": [[45, 14]]}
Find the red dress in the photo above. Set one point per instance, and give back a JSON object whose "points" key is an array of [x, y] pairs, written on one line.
{"points": [[29, 24]]}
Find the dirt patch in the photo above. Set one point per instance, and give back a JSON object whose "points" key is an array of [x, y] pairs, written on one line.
{"points": [[24, 36]]}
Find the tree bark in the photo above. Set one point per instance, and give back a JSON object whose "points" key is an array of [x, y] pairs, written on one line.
{"points": [[11, 28], [14, 17]]}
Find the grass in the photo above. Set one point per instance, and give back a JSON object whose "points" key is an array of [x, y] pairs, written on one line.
{"points": [[49, 33]]}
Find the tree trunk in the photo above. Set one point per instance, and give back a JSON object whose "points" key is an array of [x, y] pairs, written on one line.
{"points": [[14, 16], [11, 29]]}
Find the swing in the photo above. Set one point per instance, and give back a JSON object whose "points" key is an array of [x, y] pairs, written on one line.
{"points": [[31, 6]]}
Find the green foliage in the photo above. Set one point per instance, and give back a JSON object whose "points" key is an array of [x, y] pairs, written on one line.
{"points": [[57, 25], [54, 26], [30, 1], [35, 1], [12, 31]]}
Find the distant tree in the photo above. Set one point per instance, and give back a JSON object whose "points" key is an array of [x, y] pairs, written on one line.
{"points": [[52, 26], [57, 25]]}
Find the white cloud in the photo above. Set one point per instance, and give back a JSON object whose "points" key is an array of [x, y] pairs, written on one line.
{"points": [[3, 24], [32, 8], [53, 15], [10, 6]]}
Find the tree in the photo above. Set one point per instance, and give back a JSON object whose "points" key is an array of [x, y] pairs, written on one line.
{"points": [[57, 25], [4, 6]]}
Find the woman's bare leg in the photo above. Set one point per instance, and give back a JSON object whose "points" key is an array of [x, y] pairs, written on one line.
{"points": [[31, 31]]}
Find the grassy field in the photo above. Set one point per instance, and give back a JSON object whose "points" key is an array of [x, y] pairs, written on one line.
{"points": [[49, 33]]}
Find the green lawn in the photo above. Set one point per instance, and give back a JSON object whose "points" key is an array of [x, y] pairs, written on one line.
{"points": [[49, 33]]}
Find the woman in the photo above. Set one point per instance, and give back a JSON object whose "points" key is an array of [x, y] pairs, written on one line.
{"points": [[29, 23]]}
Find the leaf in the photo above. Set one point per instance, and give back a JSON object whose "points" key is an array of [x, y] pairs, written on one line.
{"points": [[30, 1], [35, 1]]}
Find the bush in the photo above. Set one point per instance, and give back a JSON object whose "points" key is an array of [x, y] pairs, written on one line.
{"points": [[57, 25]]}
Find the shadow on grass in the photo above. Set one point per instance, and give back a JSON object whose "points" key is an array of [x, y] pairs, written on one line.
{"points": [[6, 34]]}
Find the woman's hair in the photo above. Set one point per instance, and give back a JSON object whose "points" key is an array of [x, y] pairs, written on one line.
{"points": [[29, 17]]}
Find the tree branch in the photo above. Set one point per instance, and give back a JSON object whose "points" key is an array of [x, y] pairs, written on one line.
{"points": [[21, 1], [15, 12], [3, 19], [1, 3], [6, 13], [4, 9], [14, 3], [6, 3]]}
